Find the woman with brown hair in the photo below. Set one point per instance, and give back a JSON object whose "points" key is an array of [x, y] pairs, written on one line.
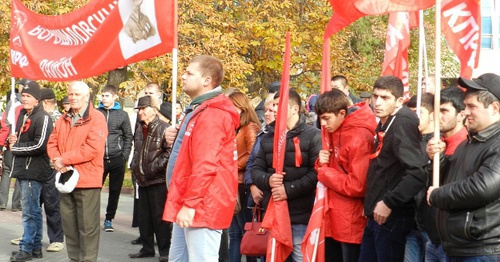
{"points": [[245, 138]]}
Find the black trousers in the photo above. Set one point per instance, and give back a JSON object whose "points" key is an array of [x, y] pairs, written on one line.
{"points": [[50, 200], [151, 204], [115, 167]]}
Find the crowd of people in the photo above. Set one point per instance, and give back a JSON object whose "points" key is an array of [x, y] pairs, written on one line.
{"points": [[197, 177]]}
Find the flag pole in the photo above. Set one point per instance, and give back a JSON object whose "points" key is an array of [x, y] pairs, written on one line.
{"points": [[437, 93], [421, 43], [12, 106], [174, 84], [273, 249]]}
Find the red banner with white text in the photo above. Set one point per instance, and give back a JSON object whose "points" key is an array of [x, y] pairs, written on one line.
{"points": [[101, 36], [396, 49], [461, 25]]}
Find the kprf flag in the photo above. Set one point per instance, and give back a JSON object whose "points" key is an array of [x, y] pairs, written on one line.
{"points": [[396, 49], [101, 36], [313, 243], [277, 218], [461, 25]]}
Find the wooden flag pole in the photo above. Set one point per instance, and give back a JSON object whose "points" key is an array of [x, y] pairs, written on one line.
{"points": [[437, 93]]}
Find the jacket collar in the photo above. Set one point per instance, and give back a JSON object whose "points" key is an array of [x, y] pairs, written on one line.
{"points": [[485, 134]]}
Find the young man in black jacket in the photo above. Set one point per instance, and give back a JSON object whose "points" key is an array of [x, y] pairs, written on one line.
{"points": [[395, 174], [117, 150], [468, 202], [31, 166], [298, 186]]}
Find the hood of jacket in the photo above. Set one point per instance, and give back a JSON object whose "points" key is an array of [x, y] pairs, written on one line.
{"points": [[360, 115], [115, 106], [223, 103]]}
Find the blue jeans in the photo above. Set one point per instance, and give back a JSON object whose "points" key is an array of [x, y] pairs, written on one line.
{"points": [[194, 244], [298, 232], [491, 258], [435, 253], [386, 242], [415, 246], [32, 215]]}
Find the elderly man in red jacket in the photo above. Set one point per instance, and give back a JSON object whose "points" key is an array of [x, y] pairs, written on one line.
{"points": [[78, 140]]}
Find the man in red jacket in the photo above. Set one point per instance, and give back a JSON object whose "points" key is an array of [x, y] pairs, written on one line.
{"points": [[351, 131], [78, 141], [202, 169]]}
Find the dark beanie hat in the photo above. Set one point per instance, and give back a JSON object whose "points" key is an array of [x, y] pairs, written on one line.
{"points": [[33, 89], [47, 93], [166, 110]]}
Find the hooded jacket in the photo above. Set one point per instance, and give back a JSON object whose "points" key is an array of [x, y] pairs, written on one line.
{"points": [[345, 175], [300, 176], [30, 159], [119, 140], [81, 145], [396, 175], [469, 200], [205, 175]]}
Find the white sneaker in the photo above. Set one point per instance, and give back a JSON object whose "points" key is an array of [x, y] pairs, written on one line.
{"points": [[16, 241], [55, 247]]}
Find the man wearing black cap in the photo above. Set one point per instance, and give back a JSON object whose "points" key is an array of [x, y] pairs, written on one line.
{"points": [[149, 164], [66, 105], [469, 199], [30, 165]]}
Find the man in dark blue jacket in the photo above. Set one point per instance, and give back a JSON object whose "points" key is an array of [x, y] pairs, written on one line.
{"points": [[31, 166], [117, 150]]}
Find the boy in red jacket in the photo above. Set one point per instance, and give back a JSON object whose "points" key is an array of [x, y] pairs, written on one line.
{"points": [[343, 168]]}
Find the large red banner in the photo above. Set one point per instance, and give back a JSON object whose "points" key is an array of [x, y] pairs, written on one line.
{"points": [[101, 36], [461, 25]]}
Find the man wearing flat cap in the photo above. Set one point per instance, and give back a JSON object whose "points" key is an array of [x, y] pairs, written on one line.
{"points": [[31, 166], [468, 201], [149, 164]]}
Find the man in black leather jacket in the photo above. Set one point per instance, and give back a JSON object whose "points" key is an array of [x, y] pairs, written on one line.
{"points": [[469, 200]]}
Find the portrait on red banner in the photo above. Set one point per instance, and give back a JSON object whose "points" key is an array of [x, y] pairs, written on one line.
{"points": [[139, 31]]}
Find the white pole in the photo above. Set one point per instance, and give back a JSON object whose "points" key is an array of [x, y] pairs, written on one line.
{"points": [[273, 249], [315, 250], [421, 44], [437, 93], [175, 60], [12, 110]]}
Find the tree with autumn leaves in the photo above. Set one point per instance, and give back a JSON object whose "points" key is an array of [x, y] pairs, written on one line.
{"points": [[248, 36]]}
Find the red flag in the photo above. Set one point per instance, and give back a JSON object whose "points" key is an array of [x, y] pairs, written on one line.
{"points": [[344, 14], [101, 36], [325, 86], [396, 49], [461, 25], [378, 7], [277, 218], [313, 244]]}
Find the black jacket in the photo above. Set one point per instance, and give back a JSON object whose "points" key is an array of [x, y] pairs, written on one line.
{"points": [[149, 163], [119, 140], [396, 175], [30, 159], [469, 200], [300, 182]]}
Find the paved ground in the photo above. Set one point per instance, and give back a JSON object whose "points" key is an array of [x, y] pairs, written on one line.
{"points": [[114, 246]]}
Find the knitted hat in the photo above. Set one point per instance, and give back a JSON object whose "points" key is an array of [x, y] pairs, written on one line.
{"points": [[47, 93], [33, 89], [166, 110]]}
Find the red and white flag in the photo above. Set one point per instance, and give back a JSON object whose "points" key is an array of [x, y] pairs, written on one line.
{"points": [[277, 217], [396, 49], [461, 25], [101, 36], [378, 7], [313, 244]]}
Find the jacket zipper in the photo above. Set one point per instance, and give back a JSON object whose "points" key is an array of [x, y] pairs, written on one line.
{"points": [[107, 124]]}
